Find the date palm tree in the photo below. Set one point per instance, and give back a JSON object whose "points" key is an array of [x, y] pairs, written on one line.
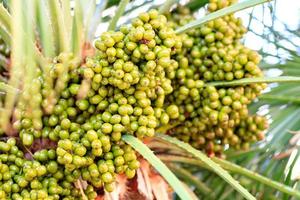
{"points": [[34, 33]]}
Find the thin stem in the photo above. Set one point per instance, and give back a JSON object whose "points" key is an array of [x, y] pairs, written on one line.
{"points": [[29, 45], [231, 167], [81, 190], [277, 55], [78, 28], [166, 6], [46, 29], [165, 128], [281, 98], [16, 60], [28, 151], [66, 8], [247, 81], [58, 22], [220, 13], [250, 18], [186, 175], [40, 58], [118, 14]]}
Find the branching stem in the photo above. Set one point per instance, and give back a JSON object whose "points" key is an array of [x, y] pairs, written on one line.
{"points": [[119, 12]]}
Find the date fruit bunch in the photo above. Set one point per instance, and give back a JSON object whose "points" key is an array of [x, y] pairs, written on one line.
{"points": [[213, 118], [76, 139]]}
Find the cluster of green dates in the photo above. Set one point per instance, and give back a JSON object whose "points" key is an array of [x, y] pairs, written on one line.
{"points": [[214, 118], [41, 178], [87, 107], [144, 76]]}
